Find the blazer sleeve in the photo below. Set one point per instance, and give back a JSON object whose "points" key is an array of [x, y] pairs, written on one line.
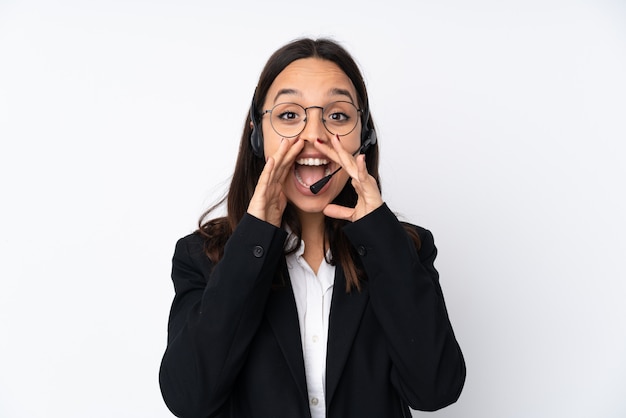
{"points": [[215, 314], [428, 366]]}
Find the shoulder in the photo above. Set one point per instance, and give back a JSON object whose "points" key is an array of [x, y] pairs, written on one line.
{"points": [[423, 233], [191, 243], [191, 249], [191, 266], [426, 245]]}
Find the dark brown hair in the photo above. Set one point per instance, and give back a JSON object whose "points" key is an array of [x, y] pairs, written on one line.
{"points": [[248, 166]]}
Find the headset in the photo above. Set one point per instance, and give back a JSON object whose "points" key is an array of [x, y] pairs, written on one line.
{"points": [[368, 136]]}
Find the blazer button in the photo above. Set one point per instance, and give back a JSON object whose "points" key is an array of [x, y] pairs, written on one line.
{"points": [[362, 250], [258, 251]]}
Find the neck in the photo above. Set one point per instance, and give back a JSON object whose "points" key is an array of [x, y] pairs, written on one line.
{"points": [[312, 226], [313, 236]]}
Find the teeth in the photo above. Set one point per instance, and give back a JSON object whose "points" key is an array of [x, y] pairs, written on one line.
{"points": [[326, 172], [312, 161], [300, 180]]}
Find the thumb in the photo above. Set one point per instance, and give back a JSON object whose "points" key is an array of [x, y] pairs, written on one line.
{"points": [[339, 212]]}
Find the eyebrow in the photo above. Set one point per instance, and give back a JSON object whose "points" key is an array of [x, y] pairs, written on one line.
{"points": [[341, 92], [331, 92]]}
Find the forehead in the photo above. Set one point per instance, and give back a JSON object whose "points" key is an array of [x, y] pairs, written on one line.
{"points": [[311, 80]]}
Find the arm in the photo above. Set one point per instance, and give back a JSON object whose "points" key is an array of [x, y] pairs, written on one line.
{"points": [[215, 314], [429, 369]]}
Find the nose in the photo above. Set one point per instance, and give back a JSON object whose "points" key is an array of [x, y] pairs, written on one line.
{"points": [[314, 128]]}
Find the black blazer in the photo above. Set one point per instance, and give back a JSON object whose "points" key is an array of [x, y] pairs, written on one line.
{"points": [[234, 347]]}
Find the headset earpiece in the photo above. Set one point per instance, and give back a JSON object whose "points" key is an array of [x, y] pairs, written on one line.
{"points": [[256, 136], [368, 135], [370, 139]]}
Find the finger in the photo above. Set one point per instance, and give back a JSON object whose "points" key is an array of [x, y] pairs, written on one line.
{"points": [[365, 185], [266, 174], [285, 157], [256, 206], [265, 178], [339, 212], [363, 175], [295, 148], [345, 158], [327, 148]]}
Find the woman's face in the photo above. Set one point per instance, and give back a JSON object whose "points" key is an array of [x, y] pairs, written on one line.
{"points": [[311, 82]]}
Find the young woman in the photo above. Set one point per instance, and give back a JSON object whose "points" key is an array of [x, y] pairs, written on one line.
{"points": [[301, 302]]}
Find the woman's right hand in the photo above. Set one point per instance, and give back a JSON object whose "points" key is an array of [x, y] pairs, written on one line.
{"points": [[268, 201]]}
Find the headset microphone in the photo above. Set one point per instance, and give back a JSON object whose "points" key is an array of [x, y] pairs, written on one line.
{"points": [[317, 186]]}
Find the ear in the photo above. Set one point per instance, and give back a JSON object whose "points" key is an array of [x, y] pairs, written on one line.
{"points": [[251, 125]]}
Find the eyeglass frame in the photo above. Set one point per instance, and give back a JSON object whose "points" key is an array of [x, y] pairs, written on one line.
{"points": [[306, 119]]}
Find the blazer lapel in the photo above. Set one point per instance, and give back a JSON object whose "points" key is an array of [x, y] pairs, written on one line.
{"points": [[346, 310], [282, 314]]}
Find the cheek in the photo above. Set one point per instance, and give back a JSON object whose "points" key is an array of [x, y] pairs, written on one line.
{"points": [[270, 142], [352, 142]]}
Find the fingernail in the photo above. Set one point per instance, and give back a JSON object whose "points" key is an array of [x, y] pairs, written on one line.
{"points": [[338, 138], [320, 141]]}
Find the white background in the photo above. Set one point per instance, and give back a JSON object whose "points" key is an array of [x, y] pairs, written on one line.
{"points": [[501, 125]]}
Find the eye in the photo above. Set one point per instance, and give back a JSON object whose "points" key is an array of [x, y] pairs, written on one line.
{"points": [[287, 113], [338, 117], [339, 112]]}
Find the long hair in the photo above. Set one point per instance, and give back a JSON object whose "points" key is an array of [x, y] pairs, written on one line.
{"points": [[249, 166]]}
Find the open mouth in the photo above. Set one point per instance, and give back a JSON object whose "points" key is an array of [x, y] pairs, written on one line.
{"points": [[310, 170]]}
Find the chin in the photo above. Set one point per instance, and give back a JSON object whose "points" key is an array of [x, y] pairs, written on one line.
{"points": [[309, 206], [306, 202]]}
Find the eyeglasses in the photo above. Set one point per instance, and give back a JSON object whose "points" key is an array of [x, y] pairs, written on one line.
{"points": [[289, 119]]}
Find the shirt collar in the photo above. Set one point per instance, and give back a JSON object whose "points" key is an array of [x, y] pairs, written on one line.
{"points": [[294, 257]]}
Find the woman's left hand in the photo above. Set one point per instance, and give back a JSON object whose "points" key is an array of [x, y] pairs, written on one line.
{"points": [[369, 197]]}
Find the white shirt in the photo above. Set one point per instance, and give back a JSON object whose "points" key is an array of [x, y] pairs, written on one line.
{"points": [[313, 294]]}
